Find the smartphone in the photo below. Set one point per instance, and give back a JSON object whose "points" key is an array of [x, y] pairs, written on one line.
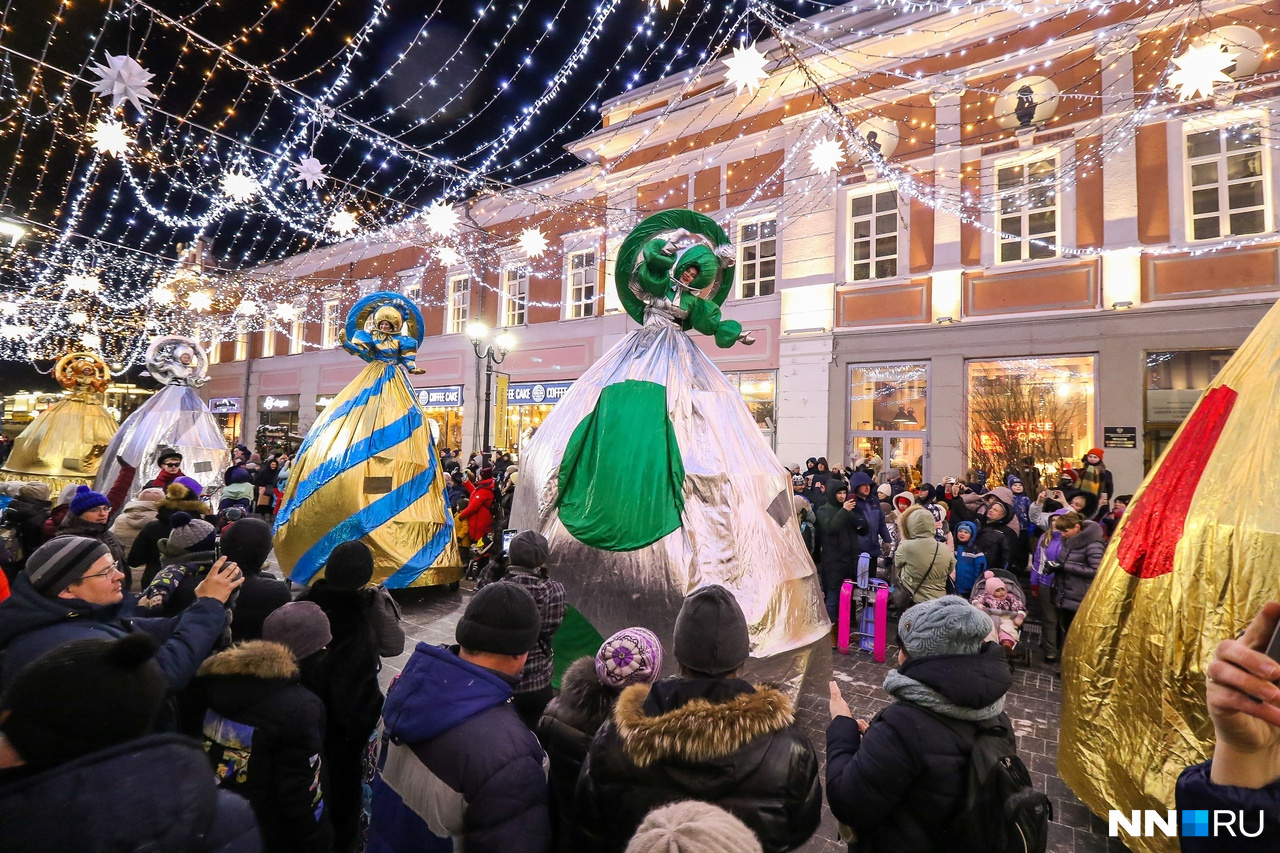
{"points": [[1273, 647], [507, 536]]}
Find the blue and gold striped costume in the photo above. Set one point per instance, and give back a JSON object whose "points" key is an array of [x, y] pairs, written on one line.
{"points": [[368, 467]]}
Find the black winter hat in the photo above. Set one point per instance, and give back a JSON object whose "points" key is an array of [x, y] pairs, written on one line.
{"points": [[350, 566], [247, 543], [238, 474], [502, 619], [83, 697], [529, 550], [711, 632]]}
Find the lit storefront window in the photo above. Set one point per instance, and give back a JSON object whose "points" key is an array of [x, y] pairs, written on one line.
{"points": [[888, 418], [759, 389], [1037, 407]]}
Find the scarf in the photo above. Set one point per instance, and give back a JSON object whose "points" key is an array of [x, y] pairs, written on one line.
{"points": [[907, 689], [165, 477], [1091, 478]]}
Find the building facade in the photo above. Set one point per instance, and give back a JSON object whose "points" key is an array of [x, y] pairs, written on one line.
{"points": [[1057, 256]]}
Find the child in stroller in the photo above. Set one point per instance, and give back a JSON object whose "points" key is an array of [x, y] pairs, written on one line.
{"points": [[1000, 597]]}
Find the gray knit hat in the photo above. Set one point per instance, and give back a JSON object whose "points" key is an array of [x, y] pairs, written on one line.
{"points": [[187, 534], [60, 562], [529, 550], [299, 625], [945, 626], [693, 827]]}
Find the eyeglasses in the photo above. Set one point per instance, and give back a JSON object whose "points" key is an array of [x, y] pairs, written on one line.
{"points": [[173, 464], [103, 574]]}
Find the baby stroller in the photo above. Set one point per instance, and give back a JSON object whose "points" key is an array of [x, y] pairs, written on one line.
{"points": [[1007, 612]]}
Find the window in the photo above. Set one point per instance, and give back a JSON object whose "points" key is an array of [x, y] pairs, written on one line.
{"points": [[297, 337], [759, 392], [215, 351], [888, 416], [582, 284], [1175, 382], [331, 324], [1027, 199], [459, 303], [515, 295], [757, 258], [242, 346], [413, 292], [1224, 169], [873, 230], [268, 342]]}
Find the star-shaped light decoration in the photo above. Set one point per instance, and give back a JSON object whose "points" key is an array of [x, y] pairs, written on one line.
{"points": [[18, 332], [8, 308], [163, 296], [199, 301], [110, 137], [310, 171], [1202, 66], [247, 308], [532, 243], [123, 79], [441, 219], [78, 318], [448, 256], [343, 222], [826, 155], [746, 68], [82, 283], [91, 341], [286, 311], [239, 186]]}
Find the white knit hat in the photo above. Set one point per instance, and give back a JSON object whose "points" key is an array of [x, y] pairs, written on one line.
{"points": [[693, 827]]}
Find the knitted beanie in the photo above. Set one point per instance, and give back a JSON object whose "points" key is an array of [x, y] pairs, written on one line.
{"points": [[301, 626], [350, 566], [884, 491], [944, 626], [529, 550], [189, 534], [502, 619], [693, 827], [711, 631], [195, 488], [34, 492], [60, 562], [82, 697], [631, 656], [151, 495], [247, 543], [87, 499], [486, 473], [993, 583]]}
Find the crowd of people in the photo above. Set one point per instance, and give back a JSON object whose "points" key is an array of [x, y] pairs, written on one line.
{"points": [[160, 690]]}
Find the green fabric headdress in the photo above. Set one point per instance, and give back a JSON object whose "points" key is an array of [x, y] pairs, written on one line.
{"points": [[651, 226]]}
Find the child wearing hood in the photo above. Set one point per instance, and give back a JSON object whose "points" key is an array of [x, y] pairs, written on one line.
{"points": [[970, 562], [1004, 608]]}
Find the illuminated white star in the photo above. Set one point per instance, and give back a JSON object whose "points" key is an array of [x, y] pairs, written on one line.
{"points": [[110, 137], [441, 219], [286, 311], [343, 222], [826, 155], [123, 79], [239, 186], [78, 318], [200, 300], [163, 296], [1200, 68], [8, 308], [247, 308], [532, 242], [746, 68], [83, 283], [310, 171], [448, 256], [90, 341], [16, 332]]}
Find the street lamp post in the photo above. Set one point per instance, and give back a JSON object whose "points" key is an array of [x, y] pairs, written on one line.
{"points": [[491, 352]]}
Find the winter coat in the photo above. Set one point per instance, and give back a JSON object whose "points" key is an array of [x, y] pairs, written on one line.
{"points": [[74, 525], [454, 492], [970, 562], [457, 762], [1196, 790], [479, 511], [839, 531], [996, 539], [27, 517], [566, 730], [718, 740], [921, 559], [146, 547], [259, 597], [237, 494], [900, 783], [31, 624], [132, 519], [869, 542], [154, 793], [263, 732], [549, 595], [1081, 555]]}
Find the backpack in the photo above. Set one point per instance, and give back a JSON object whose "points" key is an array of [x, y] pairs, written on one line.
{"points": [[1001, 811]]}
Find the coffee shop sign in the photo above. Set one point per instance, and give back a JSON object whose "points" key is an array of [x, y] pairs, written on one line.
{"points": [[536, 393]]}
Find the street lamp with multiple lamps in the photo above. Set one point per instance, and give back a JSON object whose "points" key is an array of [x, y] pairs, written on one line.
{"points": [[491, 352]]}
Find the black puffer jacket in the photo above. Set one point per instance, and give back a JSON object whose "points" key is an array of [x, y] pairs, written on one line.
{"points": [[839, 532], [566, 730], [1081, 555], [721, 741], [996, 540], [899, 784], [161, 797]]}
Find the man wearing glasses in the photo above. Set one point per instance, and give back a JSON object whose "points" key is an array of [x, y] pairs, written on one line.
{"points": [[71, 590], [170, 462]]}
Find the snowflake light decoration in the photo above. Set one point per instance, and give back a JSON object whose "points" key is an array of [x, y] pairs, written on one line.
{"points": [[78, 318], [746, 68], [122, 79], [310, 171], [247, 308], [286, 311], [239, 186], [1202, 66], [441, 218], [448, 256], [110, 137], [532, 242], [91, 341], [200, 301], [343, 222], [82, 283], [163, 296], [826, 155]]}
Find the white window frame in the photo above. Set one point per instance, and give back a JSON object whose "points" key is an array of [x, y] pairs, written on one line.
{"points": [[515, 300], [578, 306], [900, 234], [369, 285], [297, 336], [242, 346], [330, 323], [740, 272], [411, 283], [269, 341], [457, 303], [1221, 123], [1059, 235]]}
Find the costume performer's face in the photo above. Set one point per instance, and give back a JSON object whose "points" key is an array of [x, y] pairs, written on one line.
{"points": [[690, 273], [87, 372], [385, 327], [185, 358]]}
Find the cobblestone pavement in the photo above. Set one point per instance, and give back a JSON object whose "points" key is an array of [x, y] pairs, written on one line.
{"points": [[1032, 705]]}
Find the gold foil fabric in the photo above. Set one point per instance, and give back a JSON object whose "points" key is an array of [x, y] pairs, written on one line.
{"points": [[63, 445], [1194, 559]]}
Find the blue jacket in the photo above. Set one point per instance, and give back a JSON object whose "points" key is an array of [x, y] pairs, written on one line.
{"points": [[1196, 791], [154, 793], [32, 624], [457, 762], [869, 543]]}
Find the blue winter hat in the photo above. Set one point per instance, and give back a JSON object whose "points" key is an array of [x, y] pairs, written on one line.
{"points": [[1011, 479], [87, 499], [238, 475], [969, 526]]}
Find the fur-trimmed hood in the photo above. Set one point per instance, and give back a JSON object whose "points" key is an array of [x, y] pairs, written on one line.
{"points": [[583, 697], [194, 507], [255, 659], [698, 730]]}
